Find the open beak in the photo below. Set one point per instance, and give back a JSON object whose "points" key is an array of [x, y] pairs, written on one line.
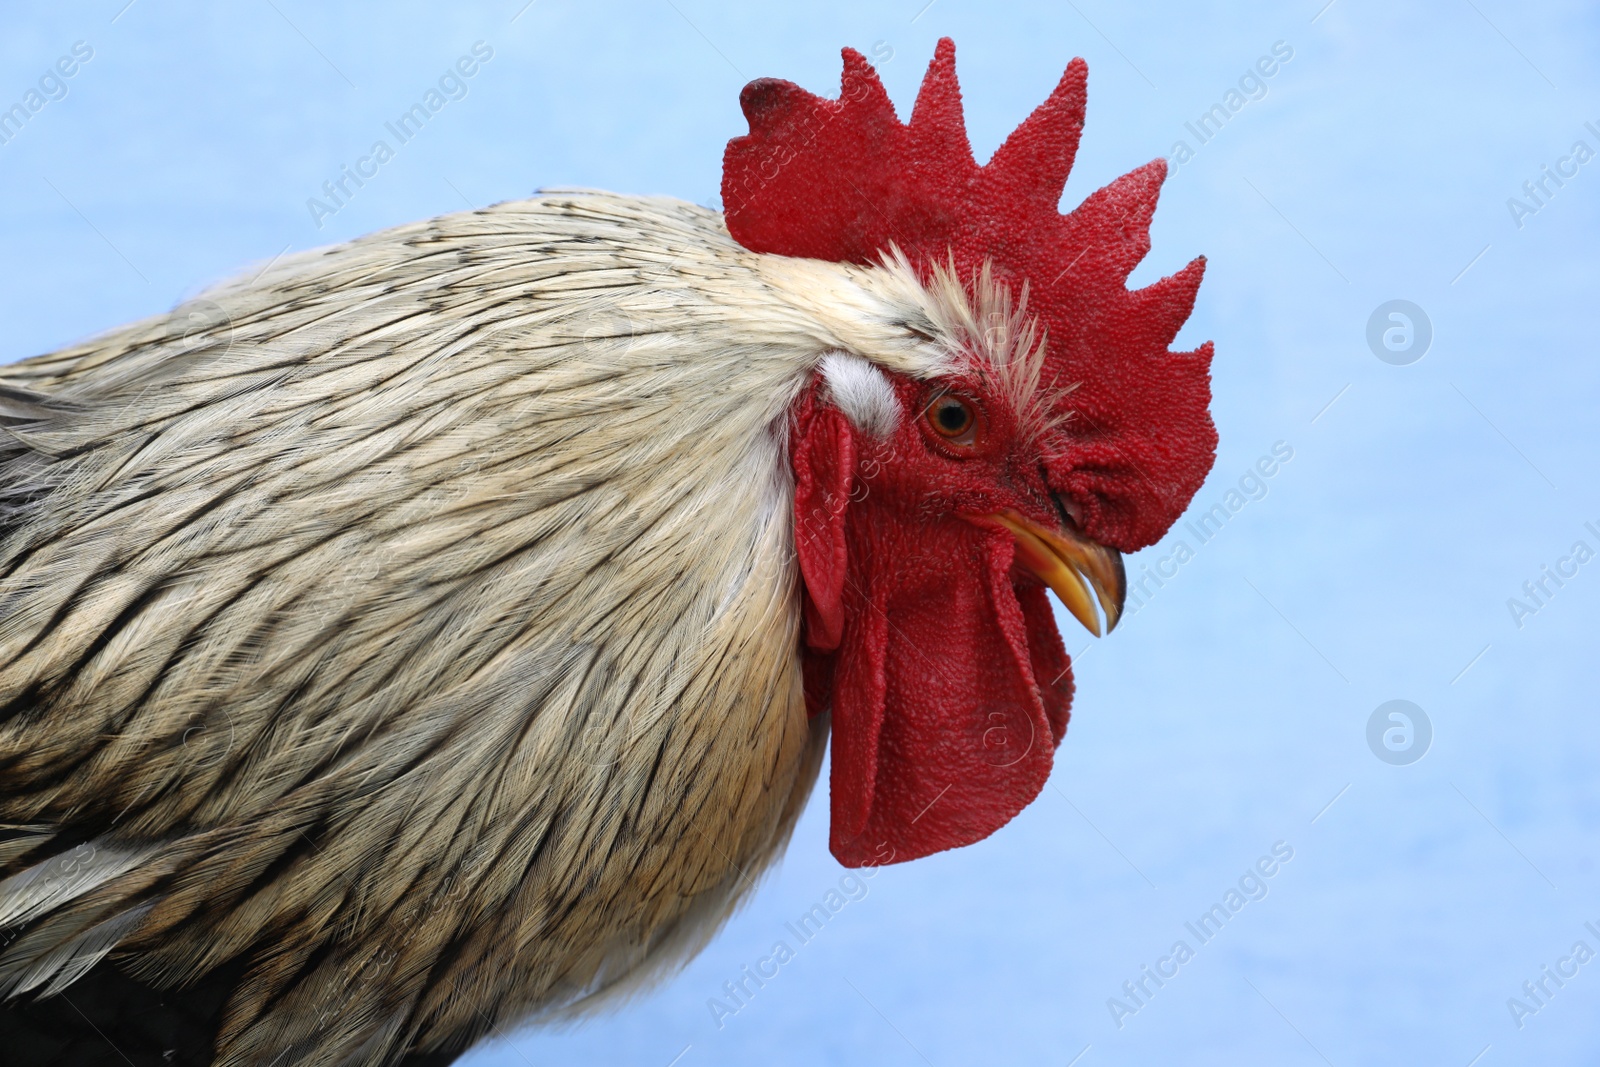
{"points": [[1069, 564]]}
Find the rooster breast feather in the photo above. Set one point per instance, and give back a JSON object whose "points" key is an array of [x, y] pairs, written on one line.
{"points": [[412, 628]]}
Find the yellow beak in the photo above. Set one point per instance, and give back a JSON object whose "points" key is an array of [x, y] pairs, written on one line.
{"points": [[1063, 559]]}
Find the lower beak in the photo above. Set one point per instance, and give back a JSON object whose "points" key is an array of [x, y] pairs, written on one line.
{"points": [[1069, 564]]}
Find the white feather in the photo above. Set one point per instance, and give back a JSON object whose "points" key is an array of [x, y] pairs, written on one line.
{"points": [[64, 963], [862, 392], [52, 883]]}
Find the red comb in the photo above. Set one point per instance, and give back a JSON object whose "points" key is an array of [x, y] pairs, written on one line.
{"points": [[844, 179]]}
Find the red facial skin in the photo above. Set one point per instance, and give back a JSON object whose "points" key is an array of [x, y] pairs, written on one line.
{"points": [[938, 656]]}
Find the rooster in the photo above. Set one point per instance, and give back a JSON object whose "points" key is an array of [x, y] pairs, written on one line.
{"points": [[442, 630]]}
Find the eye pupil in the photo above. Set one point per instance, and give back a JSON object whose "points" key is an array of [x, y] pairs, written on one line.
{"points": [[953, 417]]}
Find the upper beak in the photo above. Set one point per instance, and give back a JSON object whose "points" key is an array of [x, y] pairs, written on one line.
{"points": [[1063, 558]]}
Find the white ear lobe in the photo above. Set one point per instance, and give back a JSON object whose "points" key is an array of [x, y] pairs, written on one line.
{"points": [[862, 392]]}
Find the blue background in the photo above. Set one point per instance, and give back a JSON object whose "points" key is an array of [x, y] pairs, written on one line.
{"points": [[1230, 712]]}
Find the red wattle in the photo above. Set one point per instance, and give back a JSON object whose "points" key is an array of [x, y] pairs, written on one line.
{"points": [[940, 733]]}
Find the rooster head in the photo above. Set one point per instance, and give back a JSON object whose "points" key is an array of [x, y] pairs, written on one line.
{"points": [[1051, 431]]}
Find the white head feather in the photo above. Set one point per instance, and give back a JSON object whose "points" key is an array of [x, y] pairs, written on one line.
{"points": [[862, 392]]}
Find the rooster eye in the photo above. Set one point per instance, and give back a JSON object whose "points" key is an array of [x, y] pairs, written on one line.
{"points": [[953, 419]]}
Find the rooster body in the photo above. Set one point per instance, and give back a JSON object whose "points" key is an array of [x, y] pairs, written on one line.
{"points": [[444, 629], [531, 426]]}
